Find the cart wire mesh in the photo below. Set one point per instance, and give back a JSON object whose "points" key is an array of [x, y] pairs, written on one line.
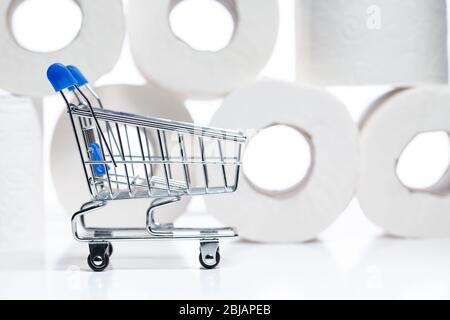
{"points": [[153, 158]]}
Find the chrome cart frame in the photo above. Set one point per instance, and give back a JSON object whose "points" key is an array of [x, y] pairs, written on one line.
{"points": [[126, 157]]}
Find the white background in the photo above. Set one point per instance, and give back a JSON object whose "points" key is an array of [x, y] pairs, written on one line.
{"points": [[352, 259]]}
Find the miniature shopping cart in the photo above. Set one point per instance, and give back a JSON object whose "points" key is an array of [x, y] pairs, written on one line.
{"points": [[126, 157]]}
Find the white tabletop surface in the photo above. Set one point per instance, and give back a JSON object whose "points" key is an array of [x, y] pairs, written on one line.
{"points": [[352, 259]]}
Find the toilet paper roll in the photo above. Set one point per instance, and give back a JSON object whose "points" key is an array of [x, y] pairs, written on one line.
{"points": [[67, 171], [95, 49], [21, 180], [371, 42], [385, 133], [173, 64], [303, 212]]}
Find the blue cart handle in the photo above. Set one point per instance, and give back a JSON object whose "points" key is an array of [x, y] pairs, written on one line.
{"points": [[60, 77], [71, 78]]}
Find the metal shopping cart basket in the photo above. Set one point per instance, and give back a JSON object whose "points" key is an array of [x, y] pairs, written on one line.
{"points": [[126, 156]]}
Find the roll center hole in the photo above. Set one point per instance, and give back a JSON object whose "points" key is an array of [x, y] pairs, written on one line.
{"points": [[424, 163], [278, 159], [205, 25], [44, 25]]}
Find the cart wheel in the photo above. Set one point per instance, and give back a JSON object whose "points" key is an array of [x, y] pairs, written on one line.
{"points": [[208, 264], [98, 263], [99, 253], [209, 254]]}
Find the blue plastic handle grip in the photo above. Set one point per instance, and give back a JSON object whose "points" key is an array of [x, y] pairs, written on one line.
{"points": [[76, 73], [60, 77], [96, 155]]}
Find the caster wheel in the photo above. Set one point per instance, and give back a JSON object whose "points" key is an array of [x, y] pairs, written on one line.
{"points": [[209, 262], [110, 249], [98, 263]]}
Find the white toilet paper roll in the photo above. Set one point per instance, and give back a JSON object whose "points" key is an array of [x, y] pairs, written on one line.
{"points": [[21, 180], [95, 49], [67, 171], [369, 42], [301, 213], [173, 64], [386, 131]]}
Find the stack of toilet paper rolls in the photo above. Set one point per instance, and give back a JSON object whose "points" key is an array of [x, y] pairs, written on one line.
{"points": [[338, 43], [341, 43], [401, 43]]}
